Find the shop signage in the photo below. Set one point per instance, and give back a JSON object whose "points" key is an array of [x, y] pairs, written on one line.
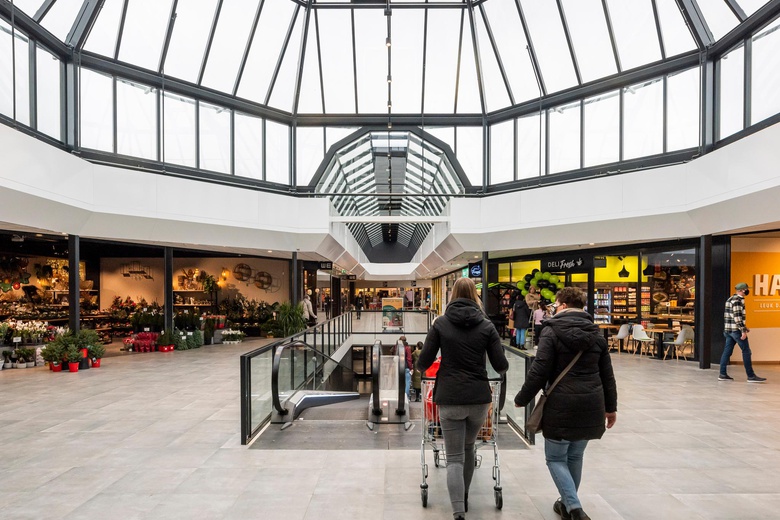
{"points": [[569, 264], [475, 270], [350, 277], [464, 273], [326, 266], [767, 285], [414, 283]]}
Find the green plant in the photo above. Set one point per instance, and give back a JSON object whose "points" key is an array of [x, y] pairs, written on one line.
{"points": [[73, 354], [290, 318], [209, 325], [209, 283], [166, 338], [180, 340], [87, 337], [233, 335], [97, 351], [54, 351], [7, 356], [197, 338]]}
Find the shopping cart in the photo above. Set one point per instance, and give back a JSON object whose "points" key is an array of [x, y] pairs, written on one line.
{"points": [[432, 436]]}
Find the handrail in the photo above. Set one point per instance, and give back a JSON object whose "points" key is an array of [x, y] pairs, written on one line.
{"points": [[401, 356], [376, 361], [277, 360]]}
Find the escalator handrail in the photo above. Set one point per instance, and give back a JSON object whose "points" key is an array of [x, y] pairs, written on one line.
{"points": [[277, 361], [376, 362], [400, 353]]}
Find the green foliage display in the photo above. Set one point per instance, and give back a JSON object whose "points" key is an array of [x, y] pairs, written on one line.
{"points": [[290, 318], [53, 352], [209, 325], [233, 335], [97, 350], [166, 338], [73, 354], [86, 338], [180, 340]]}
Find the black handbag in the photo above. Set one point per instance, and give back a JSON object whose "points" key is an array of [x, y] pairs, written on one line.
{"points": [[534, 422]]}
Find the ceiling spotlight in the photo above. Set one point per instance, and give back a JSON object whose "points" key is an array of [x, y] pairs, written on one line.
{"points": [[387, 41], [389, 78], [389, 124], [38, 235]]}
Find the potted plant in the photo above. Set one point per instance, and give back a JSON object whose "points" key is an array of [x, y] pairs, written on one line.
{"points": [[85, 339], [52, 354], [180, 340], [21, 357], [7, 363], [73, 355], [165, 342], [290, 318], [96, 353], [232, 336]]}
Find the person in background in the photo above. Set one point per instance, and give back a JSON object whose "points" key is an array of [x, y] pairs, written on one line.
{"points": [[736, 332], [586, 397], [326, 305], [407, 353], [359, 303], [521, 313], [466, 340], [416, 374], [539, 315], [685, 295], [308, 312], [533, 298]]}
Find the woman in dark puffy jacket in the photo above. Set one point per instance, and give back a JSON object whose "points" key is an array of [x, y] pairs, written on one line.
{"points": [[464, 336], [586, 397]]}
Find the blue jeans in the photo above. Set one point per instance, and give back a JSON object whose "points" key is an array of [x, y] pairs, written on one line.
{"points": [[564, 460], [731, 339], [408, 383], [460, 425], [520, 338]]}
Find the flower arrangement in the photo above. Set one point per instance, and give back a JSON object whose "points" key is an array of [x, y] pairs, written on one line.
{"points": [[233, 336], [30, 331]]}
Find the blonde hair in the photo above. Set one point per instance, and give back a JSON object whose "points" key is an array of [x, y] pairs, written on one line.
{"points": [[465, 288]]}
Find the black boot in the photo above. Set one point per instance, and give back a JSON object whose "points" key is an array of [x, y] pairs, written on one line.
{"points": [[578, 514], [559, 508]]}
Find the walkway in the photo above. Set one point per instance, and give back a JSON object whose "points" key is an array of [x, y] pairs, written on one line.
{"points": [[157, 436]]}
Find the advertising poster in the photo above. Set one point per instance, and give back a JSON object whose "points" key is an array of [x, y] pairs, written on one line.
{"points": [[392, 313], [761, 271]]}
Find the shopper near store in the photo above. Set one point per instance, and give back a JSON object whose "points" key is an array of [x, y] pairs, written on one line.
{"points": [[736, 331], [533, 298], [308, 311], [465, 337], [583, 400], [521, 314], [359, 304], [539, 315], [409, 364], [416, 374], [326, 305]]}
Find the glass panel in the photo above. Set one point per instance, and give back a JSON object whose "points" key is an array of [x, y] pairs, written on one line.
{"points": [[22, 54], [590, 37], [615, 285], [335, 134], [61, 16], [467, 100], [136, 115], [214, 138], [635, 32], [496, 95], [102, 37], [179, 130], [310, 143], [30, 7], [643, 119], [146, 23], [96, 110], [766, 73], [277, 146], [502, 152], [732, 92], [249, 146], [406, 59], [670, 294], [751, 6], [469, 152], [517, 365], [530, 155], [189, 38], [602, 129], [565, 138], [284, 88], [260, 391], [227, 48], [682, 116], [676, 35], [719, 17], [6, 71], [446, 134], [310, 100], [441, 60], [48, 90], [266, 45], [544, 24], [510, 40], [337, 74], [370, 33]]}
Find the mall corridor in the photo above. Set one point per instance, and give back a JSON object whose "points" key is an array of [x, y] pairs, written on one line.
{"points": [[157, 436]]}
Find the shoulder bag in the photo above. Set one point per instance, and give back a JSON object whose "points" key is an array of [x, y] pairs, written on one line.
{"points": [[534, 422]]}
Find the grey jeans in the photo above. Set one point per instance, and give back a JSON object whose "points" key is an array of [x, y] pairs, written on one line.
{"points": [[460, 425]]}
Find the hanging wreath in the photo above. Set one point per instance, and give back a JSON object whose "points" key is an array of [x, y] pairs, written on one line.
{"points": [[263, 280], [242, 272]]}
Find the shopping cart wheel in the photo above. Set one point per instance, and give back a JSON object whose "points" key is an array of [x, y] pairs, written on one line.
{"points": [[436, 458], [424, 496], [499, 498]]}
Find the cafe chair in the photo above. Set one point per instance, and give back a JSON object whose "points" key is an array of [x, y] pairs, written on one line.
{"points": [[622, 334], [641, 340], [683, 341]]}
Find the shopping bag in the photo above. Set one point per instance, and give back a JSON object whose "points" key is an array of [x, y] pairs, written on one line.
{"points": [[534, 422]]}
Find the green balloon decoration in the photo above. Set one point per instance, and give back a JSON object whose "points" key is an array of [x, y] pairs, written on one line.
{"points": [[554, 279], [546, 276], [533, 282], [524, 292], [537, 275], [521, 284], [560, 285]]}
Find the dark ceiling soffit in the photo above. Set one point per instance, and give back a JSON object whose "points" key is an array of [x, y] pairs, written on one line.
{"points": [[696, 22], [357, 134], [608, 170], [33, 29], [86, 18]]}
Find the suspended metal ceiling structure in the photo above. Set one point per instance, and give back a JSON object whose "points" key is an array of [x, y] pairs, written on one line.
{"points": [[435, 65]]}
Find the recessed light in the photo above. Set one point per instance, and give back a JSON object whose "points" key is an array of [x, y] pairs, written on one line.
{"points": [[38, 235], [270, 251], [591, 243]]}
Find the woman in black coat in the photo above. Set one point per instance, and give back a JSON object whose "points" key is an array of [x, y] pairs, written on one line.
{"points": [[465, 337], [586, 397]]}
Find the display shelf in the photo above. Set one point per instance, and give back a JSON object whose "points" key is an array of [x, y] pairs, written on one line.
{"points": [[602, 303]]}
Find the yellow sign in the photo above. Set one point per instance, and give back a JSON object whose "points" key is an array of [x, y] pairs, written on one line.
{"points": [[761, 271]]}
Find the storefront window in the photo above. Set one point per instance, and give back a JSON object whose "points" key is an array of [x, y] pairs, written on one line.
{"points": [[615, 288]]}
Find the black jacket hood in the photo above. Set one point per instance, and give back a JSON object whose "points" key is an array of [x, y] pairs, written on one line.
{"points": [[575, 329], [464, 313]]}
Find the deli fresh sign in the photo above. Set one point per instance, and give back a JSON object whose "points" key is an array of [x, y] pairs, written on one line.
{"points": [[570, 264]]}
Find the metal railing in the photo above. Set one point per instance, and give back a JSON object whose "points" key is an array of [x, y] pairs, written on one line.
{"points": [[519, 365]]}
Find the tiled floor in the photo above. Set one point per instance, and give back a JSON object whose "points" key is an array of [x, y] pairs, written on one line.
{"points": [[156, 436]]}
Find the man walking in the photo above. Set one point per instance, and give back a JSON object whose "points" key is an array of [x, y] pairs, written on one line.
{"points": [[735, 331]]}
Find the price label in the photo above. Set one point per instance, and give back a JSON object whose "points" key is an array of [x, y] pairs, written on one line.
{"points": [[186, 311], [189, 334], [147, 329], [144, 309], [17, 339]]}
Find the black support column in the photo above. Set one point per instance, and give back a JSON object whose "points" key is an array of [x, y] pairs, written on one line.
{"points": [[294, 275], [704, 304], [74, 259], [485, 291], [168, 289]]}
